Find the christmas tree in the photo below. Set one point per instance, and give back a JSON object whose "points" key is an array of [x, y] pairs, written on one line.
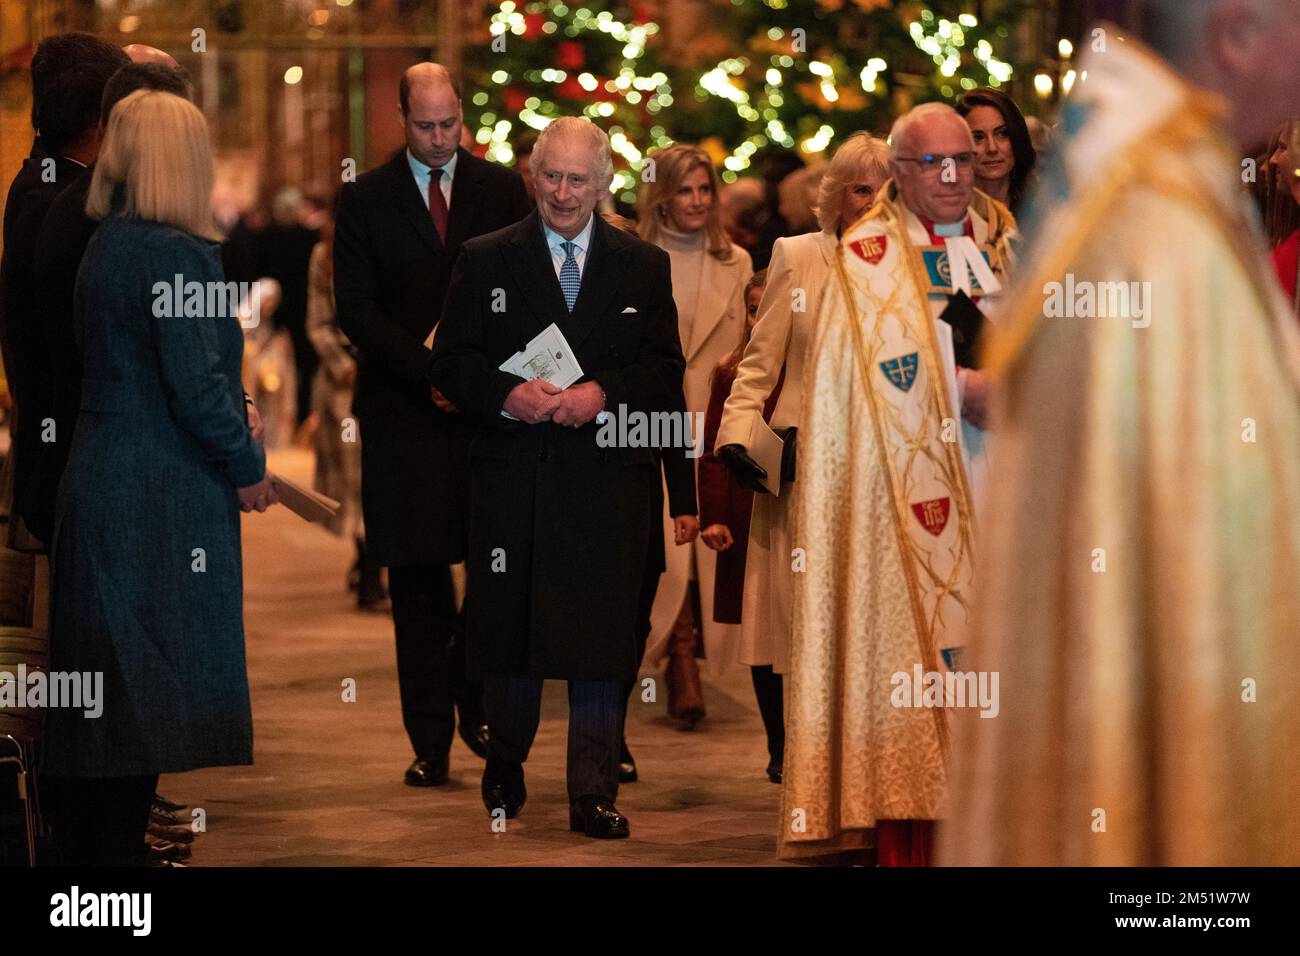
{"points": [[800, 74], [536, 61], [806, 74]]}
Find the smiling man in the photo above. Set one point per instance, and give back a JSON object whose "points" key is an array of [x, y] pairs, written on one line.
{"points": [[560, 527], [889, 591]]}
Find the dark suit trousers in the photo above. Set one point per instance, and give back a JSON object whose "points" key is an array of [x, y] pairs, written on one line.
{"points": [[514, 706], [645, 602], [431, 657]]}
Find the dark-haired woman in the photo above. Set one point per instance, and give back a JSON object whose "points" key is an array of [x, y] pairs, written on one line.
{"points": [[1004, 152]]}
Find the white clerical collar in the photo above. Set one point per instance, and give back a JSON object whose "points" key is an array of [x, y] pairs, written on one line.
{"points": [[581, 241], [945, 229]]}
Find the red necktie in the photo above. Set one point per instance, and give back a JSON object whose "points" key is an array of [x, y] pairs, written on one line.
{"points": [[437, 204]]}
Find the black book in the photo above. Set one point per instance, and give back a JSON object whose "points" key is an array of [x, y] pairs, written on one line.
{"points": [[967, 323]]}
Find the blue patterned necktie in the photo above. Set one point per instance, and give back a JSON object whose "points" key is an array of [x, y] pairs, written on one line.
{"points": [[570, 278]]}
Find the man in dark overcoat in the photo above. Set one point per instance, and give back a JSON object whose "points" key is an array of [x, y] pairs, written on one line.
{"points": [[562, 518], [399, 229]]}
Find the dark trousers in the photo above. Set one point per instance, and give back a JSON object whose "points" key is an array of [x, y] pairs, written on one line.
{"points": [[99, 821], [768, 691], [596, 707], [431, 658], [645, 601]]}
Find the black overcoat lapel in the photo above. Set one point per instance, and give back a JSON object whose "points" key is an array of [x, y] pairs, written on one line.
{"points": [[410, 204]]}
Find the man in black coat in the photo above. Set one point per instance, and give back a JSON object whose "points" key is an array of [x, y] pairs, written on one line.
{"points": [[69, 73], [398, 231], [562, 523], [62, 242]]}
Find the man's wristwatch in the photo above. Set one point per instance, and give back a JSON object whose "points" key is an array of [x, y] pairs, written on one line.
{"points": [[601, 416]]}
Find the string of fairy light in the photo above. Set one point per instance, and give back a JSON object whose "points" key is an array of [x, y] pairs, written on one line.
{"points": [[653, 90], [944, 40], [939, 37]]}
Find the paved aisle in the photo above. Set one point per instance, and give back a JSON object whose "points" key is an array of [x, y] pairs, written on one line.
{"points": [[327, 790]]}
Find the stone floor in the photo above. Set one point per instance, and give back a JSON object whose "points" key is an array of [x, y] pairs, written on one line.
{"points": [[326, 788]]}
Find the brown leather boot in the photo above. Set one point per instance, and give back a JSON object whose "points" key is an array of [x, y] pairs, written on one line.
{"points": [[685, 693]]}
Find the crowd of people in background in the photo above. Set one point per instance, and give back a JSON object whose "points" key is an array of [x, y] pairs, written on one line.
{"points": [[163, 425]]}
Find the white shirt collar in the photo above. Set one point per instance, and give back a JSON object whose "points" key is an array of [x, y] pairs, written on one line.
{"points": [[581, 242], [423, 172]]}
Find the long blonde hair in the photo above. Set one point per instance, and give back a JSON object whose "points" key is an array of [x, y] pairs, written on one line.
{"points": [[156, 148], [672, 165]]}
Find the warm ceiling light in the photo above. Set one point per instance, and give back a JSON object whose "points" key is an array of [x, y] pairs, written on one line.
{"points": [[293, 75]]}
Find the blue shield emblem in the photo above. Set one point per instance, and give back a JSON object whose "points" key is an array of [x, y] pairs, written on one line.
{"points": [[939, 272], [901, 371]]}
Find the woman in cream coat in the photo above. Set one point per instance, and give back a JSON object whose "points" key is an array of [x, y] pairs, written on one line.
{"points": [[800, 270], [679, 212]]}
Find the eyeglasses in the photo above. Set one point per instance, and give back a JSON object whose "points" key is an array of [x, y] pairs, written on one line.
{"points": [[931, 163]]}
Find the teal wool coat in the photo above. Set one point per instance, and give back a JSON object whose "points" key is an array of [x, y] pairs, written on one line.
{"points": [[146, 575]]}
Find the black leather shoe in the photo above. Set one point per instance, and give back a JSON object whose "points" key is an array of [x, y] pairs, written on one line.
{"points": [[165, 805], [163, 818], [165, 851], [427, 773], [774, 770], [626, 766], [476, 737], [504, 796], [160, 831], [598, 818]]}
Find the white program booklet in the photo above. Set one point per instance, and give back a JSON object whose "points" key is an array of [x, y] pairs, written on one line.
{"points": [[547, 357]]}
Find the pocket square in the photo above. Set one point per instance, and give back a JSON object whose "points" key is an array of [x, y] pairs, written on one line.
{"points": [[628, 310]]}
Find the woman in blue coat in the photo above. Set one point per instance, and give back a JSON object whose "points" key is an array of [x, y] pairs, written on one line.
{"points": [[146, 578]]}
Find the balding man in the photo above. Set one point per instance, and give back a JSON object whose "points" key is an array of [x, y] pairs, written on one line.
{"points": [[882, 506], [1140, 561], [561, 525], [143, 53], [399, 229]]}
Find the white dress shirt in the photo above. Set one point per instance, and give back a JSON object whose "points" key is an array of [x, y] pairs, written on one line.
{"points": [[581, 243], [422, 173]]}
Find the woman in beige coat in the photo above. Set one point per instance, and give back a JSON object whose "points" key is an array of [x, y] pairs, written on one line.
{"points": [[679, 212], [800, 270]]}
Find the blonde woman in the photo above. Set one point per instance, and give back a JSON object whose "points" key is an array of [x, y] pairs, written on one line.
{"points": [[146, 577], [680, 213], [800, 270]]}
